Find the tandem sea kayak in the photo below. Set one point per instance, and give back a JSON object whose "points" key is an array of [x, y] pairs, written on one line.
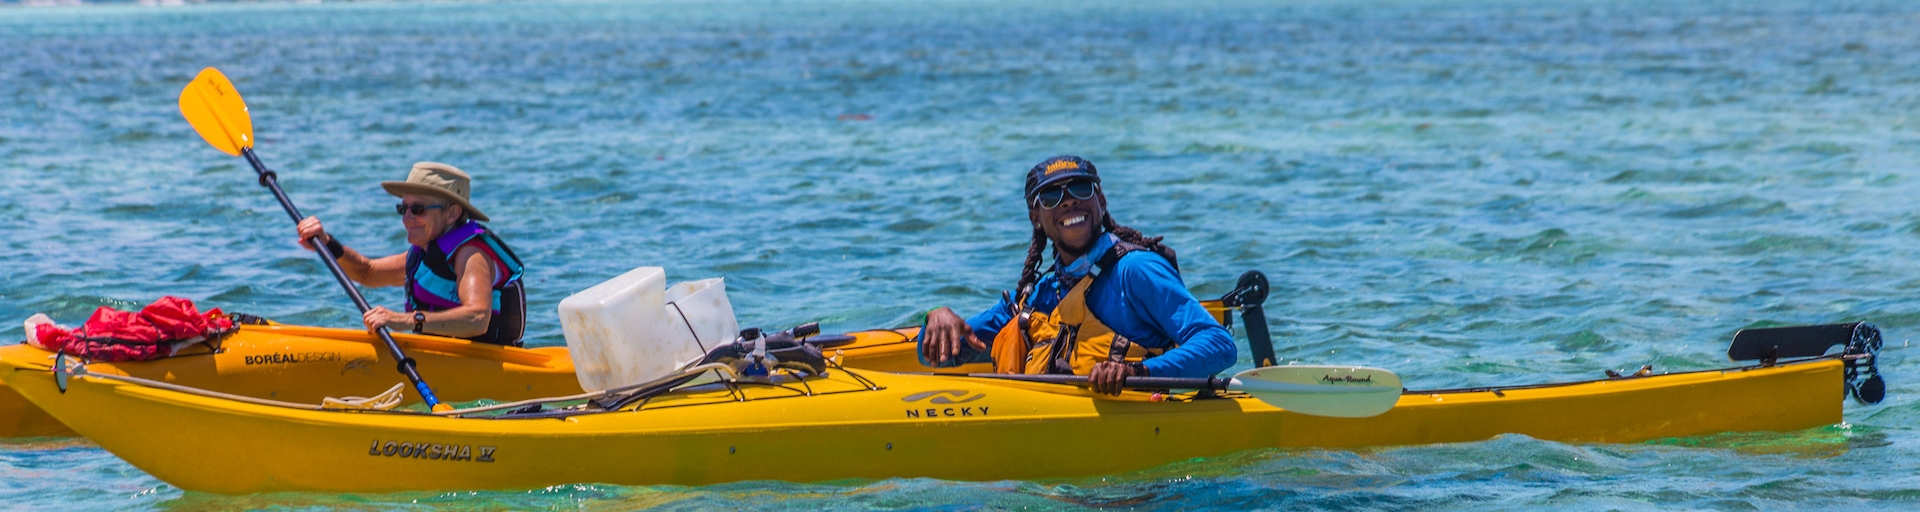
{"points": [[307, 364], [854, 423]]}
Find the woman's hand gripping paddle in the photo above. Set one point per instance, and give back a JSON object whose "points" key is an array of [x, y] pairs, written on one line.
{"points": [[214, 108], [1333, 391]]}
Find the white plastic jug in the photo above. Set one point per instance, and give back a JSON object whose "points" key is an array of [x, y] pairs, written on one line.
{"points": [[704, 308], [624, 331]]}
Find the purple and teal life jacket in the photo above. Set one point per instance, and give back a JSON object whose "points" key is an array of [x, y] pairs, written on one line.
{"points": [[432, 285]]}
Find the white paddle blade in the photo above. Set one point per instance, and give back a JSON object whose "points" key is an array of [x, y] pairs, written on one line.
{"points": [[1335, 391]]}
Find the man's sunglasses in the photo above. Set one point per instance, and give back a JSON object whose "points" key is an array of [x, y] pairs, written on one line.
{"points": [[1051, 197], [416, 209]]}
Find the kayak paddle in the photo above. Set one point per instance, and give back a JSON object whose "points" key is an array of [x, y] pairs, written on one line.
{"points": [[1333, 391], [214, 108]]}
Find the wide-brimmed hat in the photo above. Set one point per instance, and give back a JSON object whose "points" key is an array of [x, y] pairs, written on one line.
{"points": [[438, 180]]}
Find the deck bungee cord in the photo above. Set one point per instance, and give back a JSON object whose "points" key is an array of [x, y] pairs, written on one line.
{"points": [[64, 369]]}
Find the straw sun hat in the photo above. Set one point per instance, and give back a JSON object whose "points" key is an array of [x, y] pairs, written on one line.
{"points": [[438, 180]]}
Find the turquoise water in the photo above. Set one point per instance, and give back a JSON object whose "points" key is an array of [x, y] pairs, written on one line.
{"points": [[1468, 194]]}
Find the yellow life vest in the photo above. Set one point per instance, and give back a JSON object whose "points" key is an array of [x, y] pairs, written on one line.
{"points": [[1071, 340]]}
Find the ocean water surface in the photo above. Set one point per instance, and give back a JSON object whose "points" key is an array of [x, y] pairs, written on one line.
{"points": [[1467, 193]]}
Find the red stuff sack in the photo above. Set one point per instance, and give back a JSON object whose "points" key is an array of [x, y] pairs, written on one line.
{"points": [[177, 319], [157, 331], [108, 325]]}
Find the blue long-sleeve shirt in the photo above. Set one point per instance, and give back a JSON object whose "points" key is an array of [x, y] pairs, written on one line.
{"points": [[1141, 298]]}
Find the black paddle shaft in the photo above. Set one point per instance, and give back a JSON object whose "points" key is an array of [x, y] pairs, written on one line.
{"points": [[1209, 383], [270, 180]]}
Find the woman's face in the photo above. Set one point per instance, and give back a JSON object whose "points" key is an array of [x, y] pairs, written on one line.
{"points": [[435, 217]]}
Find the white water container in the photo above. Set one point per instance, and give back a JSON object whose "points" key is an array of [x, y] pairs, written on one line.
{"points": [[622, 332], [707, 316], [707, 313]]}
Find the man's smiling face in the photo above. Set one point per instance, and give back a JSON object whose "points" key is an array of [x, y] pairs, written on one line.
{"points": [[1074, 224]]}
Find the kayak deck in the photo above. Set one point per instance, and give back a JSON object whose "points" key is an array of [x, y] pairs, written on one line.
{"points": [[862, 424], [1762, 398]]}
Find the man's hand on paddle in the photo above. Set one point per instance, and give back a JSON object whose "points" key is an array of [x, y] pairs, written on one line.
{"points": [[946, 332], [1108, 377]]}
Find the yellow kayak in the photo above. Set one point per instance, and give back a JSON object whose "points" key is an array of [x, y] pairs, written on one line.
{"points": [[306, 364], [864, 424]]}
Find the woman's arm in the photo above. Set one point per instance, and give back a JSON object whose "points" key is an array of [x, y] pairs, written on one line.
{"points": [[476, 271], [386, 271]]}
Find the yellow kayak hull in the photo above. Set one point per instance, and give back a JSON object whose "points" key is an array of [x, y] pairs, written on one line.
{"points": [[840, 427], [305, 364]]}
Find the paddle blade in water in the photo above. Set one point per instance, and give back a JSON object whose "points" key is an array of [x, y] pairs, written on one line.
{"points": [[214, 108], [1337, 391]]}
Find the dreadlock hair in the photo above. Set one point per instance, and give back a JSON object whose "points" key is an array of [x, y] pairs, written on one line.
{"points": [[1133, 236], [1030, 272]]}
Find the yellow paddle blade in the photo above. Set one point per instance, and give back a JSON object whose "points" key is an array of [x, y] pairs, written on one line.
{"points": [[1218, 309], [214, 108]]}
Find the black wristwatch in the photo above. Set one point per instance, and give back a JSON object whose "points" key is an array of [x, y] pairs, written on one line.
{"points": [[419, 322]]}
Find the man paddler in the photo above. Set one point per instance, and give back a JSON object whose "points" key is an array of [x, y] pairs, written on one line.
{"points": [[1111, 306], [462, 281]]}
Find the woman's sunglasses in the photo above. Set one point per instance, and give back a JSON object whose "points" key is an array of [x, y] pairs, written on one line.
{"points": [[416, 209], [1050, 198]]}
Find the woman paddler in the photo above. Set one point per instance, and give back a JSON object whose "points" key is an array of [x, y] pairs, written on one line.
{"points": [[1111, 306], [462, 281]]}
